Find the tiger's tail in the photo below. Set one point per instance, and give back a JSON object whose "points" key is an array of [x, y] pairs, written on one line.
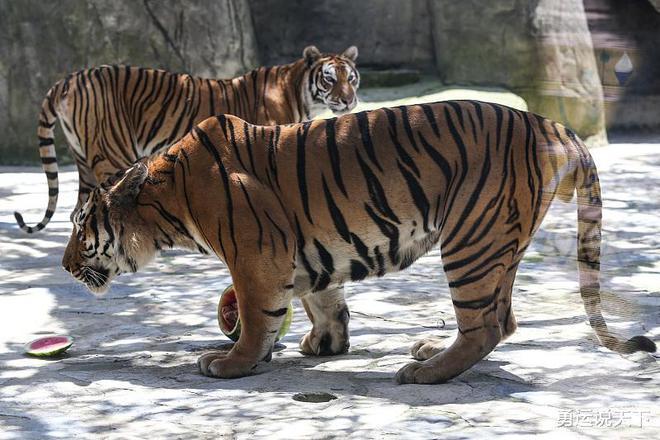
{"points": [[46, 135], [589, 213]]}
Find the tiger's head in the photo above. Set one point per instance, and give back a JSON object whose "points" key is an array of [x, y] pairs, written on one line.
{"points": [[333, 79], [105, 240]]}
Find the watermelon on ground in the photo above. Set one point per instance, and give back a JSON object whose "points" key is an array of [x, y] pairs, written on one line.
{"points": [[49, 345]]}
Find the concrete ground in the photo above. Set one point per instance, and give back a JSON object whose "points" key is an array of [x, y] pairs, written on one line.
{"points": [[132, 373]]}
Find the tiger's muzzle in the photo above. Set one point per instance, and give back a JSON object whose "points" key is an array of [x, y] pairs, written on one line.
{"points": [[96, 279], [342, 106]]}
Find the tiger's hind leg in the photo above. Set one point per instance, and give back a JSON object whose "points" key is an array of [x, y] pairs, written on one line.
{"points": [[86, 183], [428, 347], [481, 307], [90, 176], [329, 315]]}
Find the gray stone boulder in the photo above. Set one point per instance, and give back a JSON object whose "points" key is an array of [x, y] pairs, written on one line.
{"points": [[567, 87], [539, 49]]}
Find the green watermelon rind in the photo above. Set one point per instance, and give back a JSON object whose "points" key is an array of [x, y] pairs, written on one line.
{"points": [[286, 324], [40, 351], [235, 333]]}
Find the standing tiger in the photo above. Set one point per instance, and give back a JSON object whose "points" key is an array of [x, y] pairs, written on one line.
{"points": [[113, 115], [299, 210]]}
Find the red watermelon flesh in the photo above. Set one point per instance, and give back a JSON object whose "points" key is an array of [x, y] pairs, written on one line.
{"points": [[229, 320], [230, 315], [228, 310], [49, 346]]}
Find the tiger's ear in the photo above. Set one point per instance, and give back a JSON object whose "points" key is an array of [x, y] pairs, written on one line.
{"points": [[311, 54], [127, 189], [351, 53]]}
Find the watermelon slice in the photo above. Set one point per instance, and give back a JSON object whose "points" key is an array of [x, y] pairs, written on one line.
{"points": [[49, 346], [229, 321], [228, 314]]}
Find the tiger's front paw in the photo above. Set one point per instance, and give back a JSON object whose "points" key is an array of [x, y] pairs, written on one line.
{"points": [[225, 365], [421, 373], [324, 343], [427, 348]]}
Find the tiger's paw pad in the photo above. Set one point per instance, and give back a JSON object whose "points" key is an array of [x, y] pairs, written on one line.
{"points": [[427, 348], [419, 372], [224, 365]]}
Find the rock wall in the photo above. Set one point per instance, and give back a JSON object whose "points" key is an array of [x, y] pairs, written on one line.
{"points": [[540, 49], [41, 42], [485, 43], [388, 33]]}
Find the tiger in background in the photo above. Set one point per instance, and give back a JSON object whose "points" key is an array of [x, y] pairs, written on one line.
{"points": [[113, 115], [299, 210]]}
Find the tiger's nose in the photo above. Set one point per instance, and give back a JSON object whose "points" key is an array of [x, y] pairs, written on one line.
{"points": [[66, 267], [346, 102]]}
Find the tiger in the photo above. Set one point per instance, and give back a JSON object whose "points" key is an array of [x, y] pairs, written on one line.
{"points": [[113, 115], [301, 209]]}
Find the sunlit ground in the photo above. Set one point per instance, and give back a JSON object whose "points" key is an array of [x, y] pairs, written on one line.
{"points": [[132, 373]]}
